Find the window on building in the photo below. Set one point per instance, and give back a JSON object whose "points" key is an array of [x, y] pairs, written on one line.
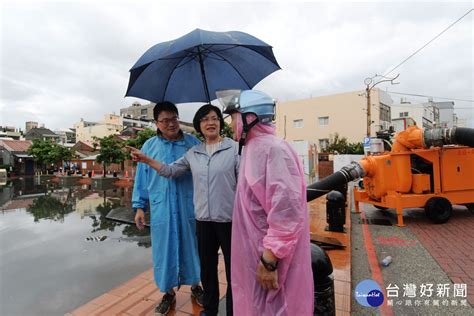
{"points": [[298, 123], [144, 111], [403, 114], [323, 120], [385, 113], [323, 143]]}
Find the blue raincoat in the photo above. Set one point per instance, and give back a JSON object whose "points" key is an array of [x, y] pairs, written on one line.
{"points": [[172, 219]]}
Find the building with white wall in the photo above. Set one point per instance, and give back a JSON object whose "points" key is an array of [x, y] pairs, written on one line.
{"points": [[86, 131], [447, 117], [138, 111], [424, 114], [427, 114], [318, 119]]}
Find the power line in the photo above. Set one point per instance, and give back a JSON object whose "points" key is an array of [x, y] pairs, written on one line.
{"points": [[429, 96], [429, 42]]}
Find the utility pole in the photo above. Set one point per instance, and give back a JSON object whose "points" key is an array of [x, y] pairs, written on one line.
{"points": [[370, 83]]}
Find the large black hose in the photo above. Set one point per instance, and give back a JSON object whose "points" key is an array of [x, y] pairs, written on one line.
{"points": [[336, 180], [464, 136], [326, 185]]}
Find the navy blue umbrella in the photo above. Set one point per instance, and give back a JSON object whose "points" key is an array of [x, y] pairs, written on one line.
{"points": [[192, 67]]}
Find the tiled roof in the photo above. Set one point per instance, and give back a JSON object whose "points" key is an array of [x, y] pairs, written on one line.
{"points": [[122, 137], [16, 145], [89, 143], [42, 131], [85, 146]]}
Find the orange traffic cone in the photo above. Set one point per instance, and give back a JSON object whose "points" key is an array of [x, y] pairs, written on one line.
{"points": [[126, 173]]}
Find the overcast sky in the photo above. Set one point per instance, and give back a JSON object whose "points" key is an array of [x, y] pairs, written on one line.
{"points": [[66, 60]]}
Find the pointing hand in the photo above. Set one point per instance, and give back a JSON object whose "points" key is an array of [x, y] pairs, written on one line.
{"points": [[138, 155]]}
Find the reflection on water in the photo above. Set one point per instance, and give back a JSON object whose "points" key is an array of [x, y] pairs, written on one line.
{"points": [[49, 207], [50, 201], [47, 267]]}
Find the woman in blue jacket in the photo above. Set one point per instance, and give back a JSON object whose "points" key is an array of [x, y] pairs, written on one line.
{"points": [[214, 166]]}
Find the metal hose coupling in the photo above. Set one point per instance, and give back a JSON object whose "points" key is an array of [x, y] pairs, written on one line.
{"points": [[353, 171], [438, 137]]}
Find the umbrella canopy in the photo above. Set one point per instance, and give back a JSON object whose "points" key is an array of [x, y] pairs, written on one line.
{"points": [[192, 67]]}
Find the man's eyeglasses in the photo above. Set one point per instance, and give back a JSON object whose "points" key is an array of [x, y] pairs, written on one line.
{"points": [[168, 121], [210, 119]]}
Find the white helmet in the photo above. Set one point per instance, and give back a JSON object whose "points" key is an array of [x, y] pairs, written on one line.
{"points": [[247, 102]]}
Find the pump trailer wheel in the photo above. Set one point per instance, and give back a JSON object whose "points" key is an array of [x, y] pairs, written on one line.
{"points": [[438, 210]]}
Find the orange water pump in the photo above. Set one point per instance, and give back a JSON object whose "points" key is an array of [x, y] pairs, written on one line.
{"points": [[432, 168]]}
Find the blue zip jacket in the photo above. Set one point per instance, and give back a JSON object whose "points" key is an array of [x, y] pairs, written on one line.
{"points": [[172, 221]]}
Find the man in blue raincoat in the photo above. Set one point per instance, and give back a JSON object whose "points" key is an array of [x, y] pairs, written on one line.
{"points": [[172, 219]]}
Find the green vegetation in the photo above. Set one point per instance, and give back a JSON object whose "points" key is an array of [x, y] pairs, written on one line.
{"points": [[60, 154], [341, 146], [142, 137], [48, 153], [227, 131], [111, 151]]}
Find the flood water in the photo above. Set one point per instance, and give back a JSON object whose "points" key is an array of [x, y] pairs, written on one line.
{"points": [[47, 264]]}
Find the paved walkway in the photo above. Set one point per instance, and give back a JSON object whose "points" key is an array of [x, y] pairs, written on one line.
{"points": [[450, 244], [139, 296], [423, 254]]}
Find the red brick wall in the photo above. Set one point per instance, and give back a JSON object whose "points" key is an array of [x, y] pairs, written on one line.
{"points": [[325, 167], [97, 167]]}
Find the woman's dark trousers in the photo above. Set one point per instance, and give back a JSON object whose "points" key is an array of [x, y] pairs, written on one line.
{"points": [[211, 236]]}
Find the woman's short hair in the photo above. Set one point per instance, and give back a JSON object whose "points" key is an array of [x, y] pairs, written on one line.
{"points": [[203, 111]]}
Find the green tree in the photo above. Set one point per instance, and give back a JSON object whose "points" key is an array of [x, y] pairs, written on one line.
{"points": [[142, 137], [46, 152], [356, 148], [227, 131], [60, 153], [111, 151], [40, 150], [340, 145]]}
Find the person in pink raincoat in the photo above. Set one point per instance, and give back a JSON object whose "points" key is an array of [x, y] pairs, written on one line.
{"points": [[271, 258]]}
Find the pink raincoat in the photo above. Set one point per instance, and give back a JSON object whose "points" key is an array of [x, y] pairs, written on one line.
{"points": [[270, 212]]}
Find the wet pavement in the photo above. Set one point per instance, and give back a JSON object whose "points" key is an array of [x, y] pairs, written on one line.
{"points": [[48, 267], [430, 262], [139, 296]]}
